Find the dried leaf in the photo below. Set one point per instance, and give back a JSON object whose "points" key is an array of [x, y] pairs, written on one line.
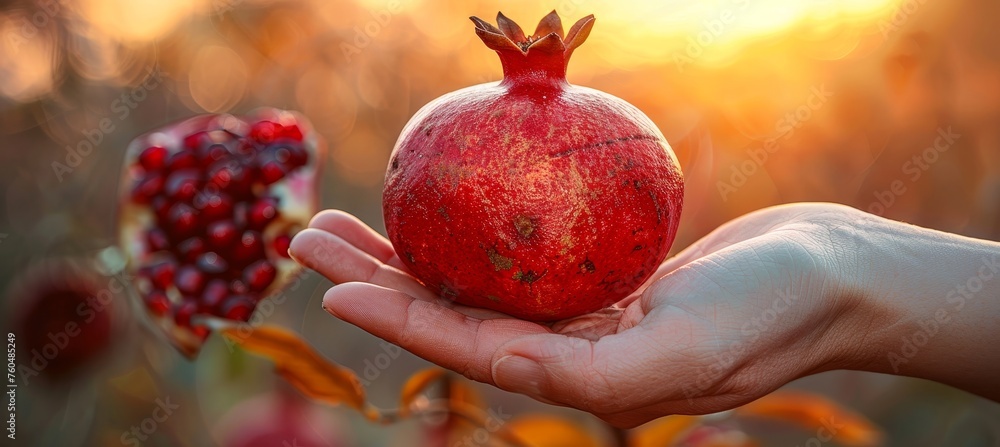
{"points": [[663, 432], [812, 411], [416, 385], [301, 366], [544, 430]]}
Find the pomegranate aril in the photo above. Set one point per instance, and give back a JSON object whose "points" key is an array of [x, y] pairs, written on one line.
{"points": [[184, 311], [197, 140], [281, 244], [157, 302], [249, 248], [237, 307], [261, 213], [183, 221], [265, 131], [213, 153], [271, 172], [189, 280], [153, 158], [162, 274], [214, 206], [182, 160], [222, 234], [232, 177], [238, 287], [147, 188], [292, 132], [293, 156], [182, 185], [161, 208], [190, 249], [215, 293], [212, 264], [259, 275], [157, 240]]}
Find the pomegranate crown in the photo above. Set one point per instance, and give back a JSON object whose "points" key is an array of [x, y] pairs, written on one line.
{"points": [[547, 50]]}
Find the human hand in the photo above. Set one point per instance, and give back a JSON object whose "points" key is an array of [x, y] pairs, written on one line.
{"points": [[769, 297]]}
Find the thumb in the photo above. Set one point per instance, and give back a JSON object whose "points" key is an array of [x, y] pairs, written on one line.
{"points": [[558, 369]]}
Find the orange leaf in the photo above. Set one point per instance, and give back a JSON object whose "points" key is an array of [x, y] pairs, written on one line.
{"points": [[812, 412], [300, 365], [415, 385], [663, 431], [549, 431]]}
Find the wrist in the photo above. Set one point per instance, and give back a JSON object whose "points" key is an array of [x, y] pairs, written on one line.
{"points": [[922, 303]]}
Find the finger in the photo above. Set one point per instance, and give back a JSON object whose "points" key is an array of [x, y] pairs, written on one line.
{"points": [[428, 329], [603, 377], [341, 262], [356, 233]]}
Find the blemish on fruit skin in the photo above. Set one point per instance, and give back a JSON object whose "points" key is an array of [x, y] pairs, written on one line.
{"points": [[524, 225], [444, 213], [587, 266], [527, 277], [410, 257], [500, 262], [493, 298]]}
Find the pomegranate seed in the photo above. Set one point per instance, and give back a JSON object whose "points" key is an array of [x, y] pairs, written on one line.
{"points": [[197, 140], [190, 249], [295, 155], [214, 206], [215, 292], [265, 131], [249, 248], [212, 264], [162, 274], [259, 275], [183, 220], [232, 177], [221, 234], [238, 308], [157, 240], [281, 244], [212, 153], [147, 188], [189, 280], [292, 132], [184, 311], [157, 303], [261, 213], [153, 158], [183, 184], [182, 160], [238, 287], [161, 207], [271, 172]]}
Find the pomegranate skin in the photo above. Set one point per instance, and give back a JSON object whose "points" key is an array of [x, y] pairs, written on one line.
{"points": [[530, 196]]}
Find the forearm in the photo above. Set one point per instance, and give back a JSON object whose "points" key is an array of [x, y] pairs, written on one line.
{"points": [[935, 302]]}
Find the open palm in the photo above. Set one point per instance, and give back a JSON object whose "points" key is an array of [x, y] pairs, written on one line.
{"points": [[727, 320]]}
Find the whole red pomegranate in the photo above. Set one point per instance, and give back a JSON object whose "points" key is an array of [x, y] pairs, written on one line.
{"points": [[209, 206], [532, 196]]}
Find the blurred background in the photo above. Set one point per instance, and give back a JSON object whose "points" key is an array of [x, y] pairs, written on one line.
{"points": [[889, 106]]}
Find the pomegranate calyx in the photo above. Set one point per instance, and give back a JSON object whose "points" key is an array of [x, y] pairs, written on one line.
{"points": [[510, 36], [552, 50]]}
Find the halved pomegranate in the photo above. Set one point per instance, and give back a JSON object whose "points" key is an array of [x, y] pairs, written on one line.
{"points": [[208, 205]]}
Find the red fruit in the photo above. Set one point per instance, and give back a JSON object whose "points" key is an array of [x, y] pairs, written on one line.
{"points": [[222, 234], [65, 317], [153, 158], [281, 244], [197, 222], [531, 196], [189, 280], [238, 308], [259, 275]]}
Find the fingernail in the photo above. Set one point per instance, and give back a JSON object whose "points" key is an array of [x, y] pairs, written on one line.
{"points": [[518, 374]]}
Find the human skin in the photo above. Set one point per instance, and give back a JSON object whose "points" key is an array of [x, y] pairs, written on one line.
{"points": [[767, 298]]}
